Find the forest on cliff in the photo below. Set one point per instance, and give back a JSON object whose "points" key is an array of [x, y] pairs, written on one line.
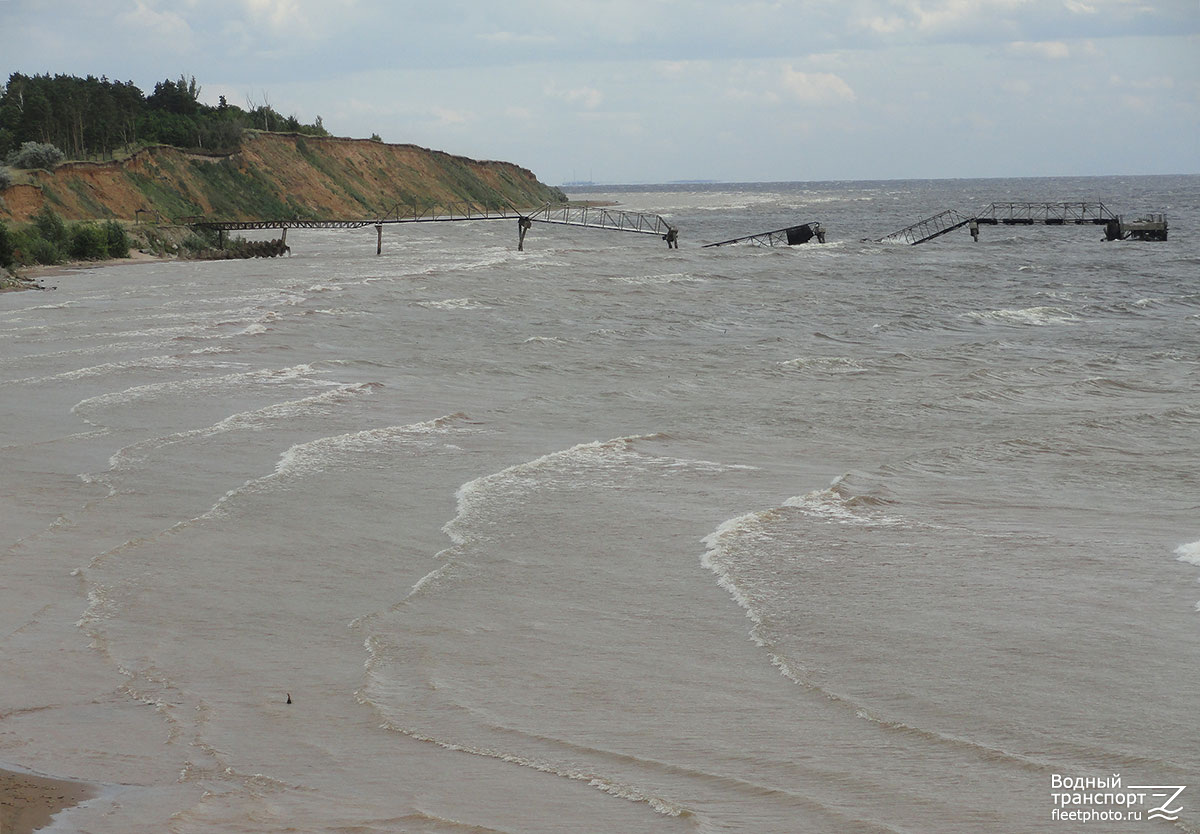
{"points": [[92, 118]]}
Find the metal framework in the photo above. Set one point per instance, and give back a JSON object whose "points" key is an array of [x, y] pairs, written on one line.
{"points": [[790, 236], [587, 216], [399, 213], [1050, 214], [594, 217], [415, 212], [1009, 214], [929, 228]]}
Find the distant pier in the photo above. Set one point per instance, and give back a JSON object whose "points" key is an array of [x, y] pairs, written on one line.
{"points": [[1152, 227], [1030, 213]]}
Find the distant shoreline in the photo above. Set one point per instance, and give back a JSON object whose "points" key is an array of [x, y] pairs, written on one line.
{"points": [[28, 277]]}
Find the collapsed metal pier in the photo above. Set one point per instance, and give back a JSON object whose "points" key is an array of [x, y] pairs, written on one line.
{"points": [[583, 216], [789, 236], [1079, 213]]}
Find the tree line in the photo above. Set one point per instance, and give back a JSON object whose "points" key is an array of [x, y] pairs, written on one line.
{"points": [[95, 117]]}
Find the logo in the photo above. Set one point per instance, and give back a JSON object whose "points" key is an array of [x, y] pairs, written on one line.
{"points": [[1162, 812], [1102, 799]]}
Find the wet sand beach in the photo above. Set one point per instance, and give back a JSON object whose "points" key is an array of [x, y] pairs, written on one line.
{"points": [[27, 802]]}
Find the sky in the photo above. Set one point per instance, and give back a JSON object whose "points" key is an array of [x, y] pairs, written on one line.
{"points": [[655, 91]]}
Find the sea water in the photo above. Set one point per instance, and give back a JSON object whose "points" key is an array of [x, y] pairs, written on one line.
{"points": [[604, 536]]}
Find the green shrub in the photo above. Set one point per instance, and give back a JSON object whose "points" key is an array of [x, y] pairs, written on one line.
{"points": [[50, 227], [6, 178], [37, 250], [7, 247], [116, 240], [89, 242], [36, 155], [194, 244]]}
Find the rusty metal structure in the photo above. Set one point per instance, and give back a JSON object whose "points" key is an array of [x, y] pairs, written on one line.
{"points": [[1078, 213], [789, 236], [1050, 214], [929, 228], [589, 217]]}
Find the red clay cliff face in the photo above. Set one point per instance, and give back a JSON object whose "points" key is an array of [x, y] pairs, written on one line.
{"points": [[272, 175]]}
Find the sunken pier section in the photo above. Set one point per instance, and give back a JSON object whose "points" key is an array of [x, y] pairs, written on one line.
{"points": [[1116, 227], [1153, 227], [790, 236]]}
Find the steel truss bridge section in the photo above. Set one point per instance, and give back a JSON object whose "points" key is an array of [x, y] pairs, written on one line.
{"points": [[790, 236], [585, 216], [929, 228], [594, 217], [400, 213], [1050, 214], [430, 212]]}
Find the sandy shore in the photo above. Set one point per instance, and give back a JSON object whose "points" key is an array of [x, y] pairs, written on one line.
{"points": [[27, 802], [37, 273]]}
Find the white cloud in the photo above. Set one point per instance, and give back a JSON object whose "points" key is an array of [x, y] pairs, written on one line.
{"points": [[589, 97], [1050, 50], [1158, 82], [934, 14], [681, 69], [278, 13], [447, 118], [308, 19], [165, 26], [516, 39], [816, 87], [882, 25]]}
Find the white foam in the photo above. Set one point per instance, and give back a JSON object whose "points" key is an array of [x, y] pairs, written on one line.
{"points": [[1189, 553], [319, 455], [665, 278], [149, 362], [564, 466], [201, 385], [453, 304], [1033, 316], [256, 420], [826, 364]]}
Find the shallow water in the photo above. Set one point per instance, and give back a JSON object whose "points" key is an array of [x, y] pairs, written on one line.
{"points": [[604, 536]]}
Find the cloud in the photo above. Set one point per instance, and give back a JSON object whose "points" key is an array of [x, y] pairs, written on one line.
{"points": [[516, 39], [1158, 82], [816, 87], [165, 26], [278, 13], [1049, 50], [882, 25], [307, 19], [445, 117], [589, 97]]}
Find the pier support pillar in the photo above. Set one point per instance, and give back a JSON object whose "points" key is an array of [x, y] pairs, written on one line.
{"points": [[672, 239], [974, 229], [379, 239], [524, 224]]}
